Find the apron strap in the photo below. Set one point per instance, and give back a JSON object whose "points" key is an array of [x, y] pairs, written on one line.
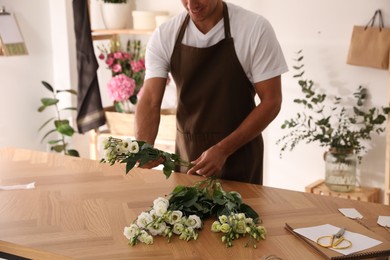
{"points": [[226, 21]]}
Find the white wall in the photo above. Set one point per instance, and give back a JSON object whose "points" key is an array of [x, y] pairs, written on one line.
{"points": [[321, 28]]}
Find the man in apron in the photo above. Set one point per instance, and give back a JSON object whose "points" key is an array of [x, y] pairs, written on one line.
{"points": [[220, 56]]}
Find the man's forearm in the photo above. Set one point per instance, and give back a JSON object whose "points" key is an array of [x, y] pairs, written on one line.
{"points": [[147, 114], [147, 120]]}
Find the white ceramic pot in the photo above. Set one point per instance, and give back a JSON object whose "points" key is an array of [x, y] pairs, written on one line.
{"points": [[146, 20], [116, 16], [160, 19]]}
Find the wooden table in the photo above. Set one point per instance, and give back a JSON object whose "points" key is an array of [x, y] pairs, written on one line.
{"points": [[80, 207]]}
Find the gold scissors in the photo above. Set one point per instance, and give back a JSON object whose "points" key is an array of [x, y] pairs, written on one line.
{"points": [[335, 241]]}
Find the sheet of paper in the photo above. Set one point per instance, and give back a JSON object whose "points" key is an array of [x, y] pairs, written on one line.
{"points": [[359, 242], [351, 213], [18, 187], [384, 221]]}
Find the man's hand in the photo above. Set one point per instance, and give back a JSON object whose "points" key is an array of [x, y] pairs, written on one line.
{"points": [[209, 163]]}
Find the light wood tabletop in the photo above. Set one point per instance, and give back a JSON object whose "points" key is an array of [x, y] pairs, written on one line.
{"points": [[79, 207]]}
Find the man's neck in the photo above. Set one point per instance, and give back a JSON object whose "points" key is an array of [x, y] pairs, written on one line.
{"points": [[207, 24]]}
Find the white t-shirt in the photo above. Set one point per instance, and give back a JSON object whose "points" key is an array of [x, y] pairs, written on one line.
{"points": [[255, 43]]}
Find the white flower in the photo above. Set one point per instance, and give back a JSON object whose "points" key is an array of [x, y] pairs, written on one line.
{"points": [[144, 219], [152, 213], [178, 228], [145, 238], [160, 205], [240, 216], [130, 232], [241, 227], [216, 226], [134, 147], [225, 227], [157, 228], [194, 221], [175, 216], [223, 219], [249, 221]]}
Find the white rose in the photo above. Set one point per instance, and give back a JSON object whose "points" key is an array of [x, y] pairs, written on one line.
{"points": [[223, 219], [157, 229], [145, 238], [194, 221], [178, 228], [176, 216], [160, 205], [130, 232], [134, 147], [143, 219]]}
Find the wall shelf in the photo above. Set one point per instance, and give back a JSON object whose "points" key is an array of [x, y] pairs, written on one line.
{"points": [[108, 34]]}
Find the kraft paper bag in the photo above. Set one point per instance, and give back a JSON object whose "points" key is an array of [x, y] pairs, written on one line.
{"points": [[370, 46]]}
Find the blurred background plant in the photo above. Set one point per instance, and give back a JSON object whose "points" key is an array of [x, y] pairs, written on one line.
{"points": [[61, 127], [329, 121]]}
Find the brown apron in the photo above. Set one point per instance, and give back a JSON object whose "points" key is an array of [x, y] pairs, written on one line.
{"points": [[214, 97]]}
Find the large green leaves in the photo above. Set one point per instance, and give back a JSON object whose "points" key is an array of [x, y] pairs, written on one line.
{"points": [[207, 198], [61, 126]]}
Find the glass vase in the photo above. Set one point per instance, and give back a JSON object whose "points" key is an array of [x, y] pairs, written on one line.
{"points": [[340, 170]]}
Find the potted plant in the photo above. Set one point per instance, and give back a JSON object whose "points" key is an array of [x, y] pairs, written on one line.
{"points": [[116, 14], [343, 129], [59, 126]]}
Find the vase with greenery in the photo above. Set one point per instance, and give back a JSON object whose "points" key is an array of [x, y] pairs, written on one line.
{"points": [[59, 127], [344, 129]]}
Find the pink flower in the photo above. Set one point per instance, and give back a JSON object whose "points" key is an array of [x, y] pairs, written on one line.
{"points": [[117, 68], [118, 55], [126, 56], [101, 56], [137, 66], [120, 88], [110, 61]]}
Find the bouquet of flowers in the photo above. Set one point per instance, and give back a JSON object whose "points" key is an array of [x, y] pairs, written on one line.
{"points": [[128, 71], [187, 207]]}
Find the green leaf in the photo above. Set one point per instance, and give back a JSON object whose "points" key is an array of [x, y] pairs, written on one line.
{"points": [[46, 123], [133, 99], [49, 101], [73, 153], [48, 86], [167, 171], [58, 148], [218, 197], [69, 108], [71, 91], [236, 196], [63, 127], [54, 141], [249, 212], [130, 165], [47, 134]]}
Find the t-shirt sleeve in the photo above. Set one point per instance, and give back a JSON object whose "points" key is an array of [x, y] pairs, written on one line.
{"points": [[156, 59], [267, 57]]}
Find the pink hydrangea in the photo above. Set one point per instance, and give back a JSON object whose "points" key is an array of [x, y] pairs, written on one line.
{"points": [[120, 88]]}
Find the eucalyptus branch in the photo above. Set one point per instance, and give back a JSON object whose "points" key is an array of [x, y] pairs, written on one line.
{"points": [[330, 122]]}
